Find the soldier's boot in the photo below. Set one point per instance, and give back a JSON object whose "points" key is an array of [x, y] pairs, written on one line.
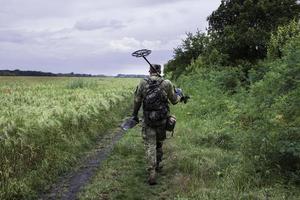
{"points": [[152, 177]]}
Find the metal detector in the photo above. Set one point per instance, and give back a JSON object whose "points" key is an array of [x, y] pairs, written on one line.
{"points": [[144, 53], [129, 123]]}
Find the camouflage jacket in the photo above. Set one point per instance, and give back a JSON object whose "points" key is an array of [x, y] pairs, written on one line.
{"points": [[166, 86]]}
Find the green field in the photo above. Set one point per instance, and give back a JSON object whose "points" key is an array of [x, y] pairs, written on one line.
{"points": [[226, 145], [46, 124], [220, 150]]}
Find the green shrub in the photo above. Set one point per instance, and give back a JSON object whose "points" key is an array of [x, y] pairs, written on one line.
{"points": [[282, 36], [229, 79], [273, 140]]}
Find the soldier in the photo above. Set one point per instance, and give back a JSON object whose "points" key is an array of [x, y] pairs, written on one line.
{"points": [[155, 93]]}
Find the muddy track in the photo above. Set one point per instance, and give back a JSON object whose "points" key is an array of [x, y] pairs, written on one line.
{"points": [[69, 186]]}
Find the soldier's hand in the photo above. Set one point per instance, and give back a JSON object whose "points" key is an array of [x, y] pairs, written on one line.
{"points": [[185, 99]]}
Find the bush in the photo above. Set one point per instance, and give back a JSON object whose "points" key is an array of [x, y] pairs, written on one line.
{"points": [[190, 49], [273, 140], [281, 37], [229, 79], [226, 78]]}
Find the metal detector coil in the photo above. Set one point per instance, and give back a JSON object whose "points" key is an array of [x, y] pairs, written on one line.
{"points": [[141, 53]]}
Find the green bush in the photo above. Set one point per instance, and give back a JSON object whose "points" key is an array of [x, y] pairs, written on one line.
{"points": [[273, 141], [281, 37], [229, 79], [263, 119]]}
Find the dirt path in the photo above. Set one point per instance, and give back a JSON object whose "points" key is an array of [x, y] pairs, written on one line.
{"points": [[70, 185]]}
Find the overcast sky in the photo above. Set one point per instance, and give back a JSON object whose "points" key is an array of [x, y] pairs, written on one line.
{"points": [[95, 36]]}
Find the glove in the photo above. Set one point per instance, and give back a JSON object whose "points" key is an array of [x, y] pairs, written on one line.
{"points": [[184, 99]]}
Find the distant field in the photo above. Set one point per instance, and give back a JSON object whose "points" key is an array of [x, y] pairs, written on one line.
{"points": [[46, 122]]}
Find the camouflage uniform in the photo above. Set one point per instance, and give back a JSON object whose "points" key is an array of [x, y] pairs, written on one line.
{"points": [[153, 137]]}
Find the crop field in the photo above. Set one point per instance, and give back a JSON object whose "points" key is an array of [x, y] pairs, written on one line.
{"points": [[46, 123]]}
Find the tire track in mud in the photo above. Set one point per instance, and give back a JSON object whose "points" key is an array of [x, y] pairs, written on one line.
{"points": [[69, 185]]}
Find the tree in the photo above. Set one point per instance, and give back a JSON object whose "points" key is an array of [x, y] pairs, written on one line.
{"points": [[189, 50], [242, 28], [281, 37]]}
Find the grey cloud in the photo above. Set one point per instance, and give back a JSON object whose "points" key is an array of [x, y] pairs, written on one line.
{"points": [[158, 2], [93, 36], [88, 25], [20, 36], [12, 36]]}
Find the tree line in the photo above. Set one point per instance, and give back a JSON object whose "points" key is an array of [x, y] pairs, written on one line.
{"points": [[239, 33]]}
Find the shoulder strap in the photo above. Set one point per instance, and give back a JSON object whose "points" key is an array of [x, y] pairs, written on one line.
{"points": [[157, 84], [162, 80], [148, 80]]}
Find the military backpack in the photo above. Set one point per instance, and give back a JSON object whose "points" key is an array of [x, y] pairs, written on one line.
{"points": [[155, 103]]}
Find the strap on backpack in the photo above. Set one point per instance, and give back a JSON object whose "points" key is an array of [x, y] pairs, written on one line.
{"points": [[149, 81]]}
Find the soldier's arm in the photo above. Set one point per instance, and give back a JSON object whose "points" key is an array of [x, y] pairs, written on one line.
{"points": [[138, 99], [172, 96]]}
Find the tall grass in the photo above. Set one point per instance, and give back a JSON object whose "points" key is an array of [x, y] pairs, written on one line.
{"points": [[45, 124]]}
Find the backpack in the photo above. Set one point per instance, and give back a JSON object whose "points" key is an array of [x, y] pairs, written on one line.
{"points": [[155, 104]]}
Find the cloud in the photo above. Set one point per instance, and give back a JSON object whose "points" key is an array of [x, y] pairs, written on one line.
{"points": [[125, 44], [79, 36], [12, 36], [21, 36], [130, 44], [88, 25]]}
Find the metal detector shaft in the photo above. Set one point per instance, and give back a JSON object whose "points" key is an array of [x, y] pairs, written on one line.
{"points": [[151, 66], [148, 61], [143, 53]]}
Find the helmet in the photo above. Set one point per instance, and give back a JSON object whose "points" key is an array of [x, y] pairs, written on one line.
{"points": [[156, 67]]}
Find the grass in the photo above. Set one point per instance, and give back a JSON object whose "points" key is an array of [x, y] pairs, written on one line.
{"points": [[47, 124], [202, 161], [123, 175]]}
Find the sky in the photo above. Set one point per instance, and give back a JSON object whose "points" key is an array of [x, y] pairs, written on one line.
{"points": [[95, 36]]}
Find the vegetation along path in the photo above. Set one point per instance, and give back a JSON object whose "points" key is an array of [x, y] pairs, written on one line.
{"points": [[49, 123], [69, 185]]}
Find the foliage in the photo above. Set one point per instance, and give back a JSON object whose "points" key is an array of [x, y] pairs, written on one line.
{"points": [[241, 29], [46, 124], [205, 159], [268, 114], [189, 50], [274, 143], [281, 37], [239, 35]]}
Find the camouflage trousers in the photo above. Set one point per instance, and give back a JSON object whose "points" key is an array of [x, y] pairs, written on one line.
{"points": [[153, 141]]}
